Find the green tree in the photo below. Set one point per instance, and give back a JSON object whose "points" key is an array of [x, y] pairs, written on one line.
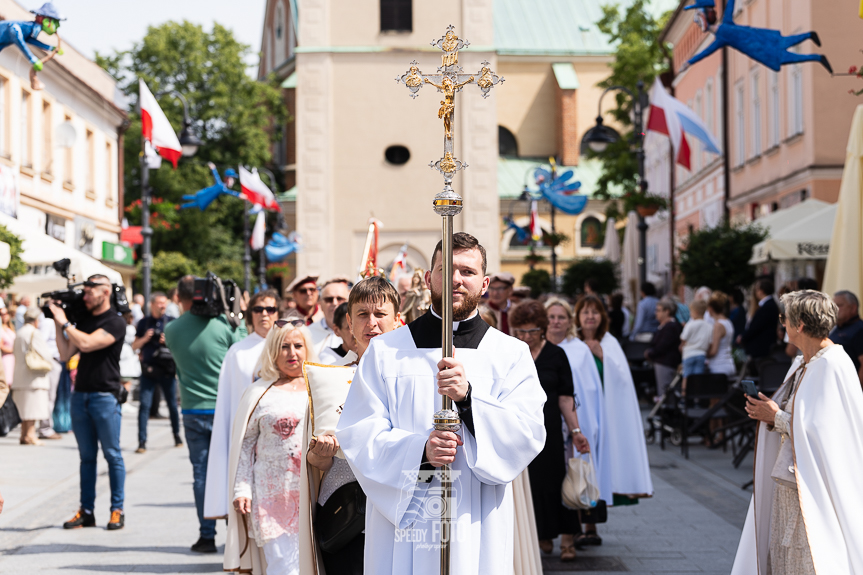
{"points": [[16, 266], [603, 271], [168, 268], [233, 114], [639, 56], [539, 282], [719, 257]]}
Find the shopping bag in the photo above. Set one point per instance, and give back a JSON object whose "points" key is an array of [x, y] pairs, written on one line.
{"points": [[8, 416], [580, 489]]}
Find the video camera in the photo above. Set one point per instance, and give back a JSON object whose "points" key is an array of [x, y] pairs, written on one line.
{"points": [[214, 296], [71, 299]]}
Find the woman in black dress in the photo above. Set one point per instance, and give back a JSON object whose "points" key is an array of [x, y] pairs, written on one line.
{"points": [[528, 322]]}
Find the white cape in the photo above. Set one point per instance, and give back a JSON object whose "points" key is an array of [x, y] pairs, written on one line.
{"points": [[323, 336], [383, 431], [827, 434], [328, 356], [591, 410], [236, 376], [623, 427]]}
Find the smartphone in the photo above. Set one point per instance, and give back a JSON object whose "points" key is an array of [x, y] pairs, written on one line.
{"points": [[749, 388]]}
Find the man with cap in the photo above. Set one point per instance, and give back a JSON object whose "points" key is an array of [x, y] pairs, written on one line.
{"points": [[334, 292], [499, 302], [304, 291]]}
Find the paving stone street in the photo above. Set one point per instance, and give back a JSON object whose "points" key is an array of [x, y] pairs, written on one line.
{"points": [[691, 525]]}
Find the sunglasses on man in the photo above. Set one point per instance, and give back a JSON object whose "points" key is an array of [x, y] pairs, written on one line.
{"points": [[280, 323], [335, 299]]}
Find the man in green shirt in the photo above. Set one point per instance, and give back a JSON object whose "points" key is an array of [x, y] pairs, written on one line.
{"points": [[199, 345]]}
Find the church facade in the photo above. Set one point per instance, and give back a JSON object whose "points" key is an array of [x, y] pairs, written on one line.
{"points": [[360, 145]]}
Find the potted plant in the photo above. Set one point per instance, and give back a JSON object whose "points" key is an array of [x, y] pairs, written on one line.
{"points": [[643, 203]]}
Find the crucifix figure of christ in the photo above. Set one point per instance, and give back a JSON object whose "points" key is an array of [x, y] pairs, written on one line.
{"points": [[450, 78]]}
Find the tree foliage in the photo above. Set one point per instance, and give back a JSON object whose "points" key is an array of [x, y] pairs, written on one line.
{"points": [[719, 257], [539, 282], [603, 271], [236, 117], [16, 266], [168, 267], [639, 56]]}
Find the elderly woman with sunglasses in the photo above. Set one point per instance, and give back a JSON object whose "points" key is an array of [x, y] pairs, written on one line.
{"points": [[528, 322], [264, 533], [805, 512], [237, 374]]}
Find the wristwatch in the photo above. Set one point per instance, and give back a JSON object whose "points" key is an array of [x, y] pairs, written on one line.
{"points": [[67, 324], [575, 431]]}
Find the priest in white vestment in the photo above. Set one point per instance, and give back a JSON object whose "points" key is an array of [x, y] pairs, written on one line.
{"points": [[334, 292], [804, 517], [346, 351], [387, 436], [239, 371]]}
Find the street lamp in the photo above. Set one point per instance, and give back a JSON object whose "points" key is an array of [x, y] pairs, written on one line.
{"points": [[262, 265], [600, 137], [189, 143]]}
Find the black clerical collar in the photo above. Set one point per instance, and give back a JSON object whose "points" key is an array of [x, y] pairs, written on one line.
{"points": [[467, 334]]}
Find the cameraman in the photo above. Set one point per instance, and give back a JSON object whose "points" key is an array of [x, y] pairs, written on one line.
{"points": [[157, 368], [96, 413], [199, 344]]}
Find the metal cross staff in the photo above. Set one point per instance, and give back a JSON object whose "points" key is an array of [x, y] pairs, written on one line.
{"points": [[449, 80]]}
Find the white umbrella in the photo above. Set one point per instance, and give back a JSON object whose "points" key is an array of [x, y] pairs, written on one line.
{"points": [[612, 243], [629, 263], [844, 270]]}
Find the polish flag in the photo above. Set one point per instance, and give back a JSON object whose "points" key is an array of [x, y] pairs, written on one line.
{"points": [[400, 263], [156, 127], [259, 231], [535, 229], [673, 118], [257, 191]]}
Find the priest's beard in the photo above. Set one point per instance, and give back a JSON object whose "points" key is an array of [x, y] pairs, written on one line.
{"points": [[460, 311]]}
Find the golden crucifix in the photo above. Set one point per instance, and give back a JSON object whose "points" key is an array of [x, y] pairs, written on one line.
{"points": [[449, 80]]}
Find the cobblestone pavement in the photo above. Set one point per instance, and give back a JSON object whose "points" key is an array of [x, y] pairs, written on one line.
{"points": [[691, 525]]}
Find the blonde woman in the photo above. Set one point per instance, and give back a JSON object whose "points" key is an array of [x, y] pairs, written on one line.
{"points": [[266, 456]]}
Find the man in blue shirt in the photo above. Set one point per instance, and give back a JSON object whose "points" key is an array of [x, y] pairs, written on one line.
{"points": [[849, 328], [645, 314]]}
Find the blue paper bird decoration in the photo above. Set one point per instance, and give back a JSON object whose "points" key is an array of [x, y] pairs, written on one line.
{"points": [[560, 191], [520, 233], [280, 246]]}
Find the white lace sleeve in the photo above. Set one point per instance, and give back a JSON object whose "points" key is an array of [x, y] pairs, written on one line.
{"points": [[782, 423], [245, 467]]}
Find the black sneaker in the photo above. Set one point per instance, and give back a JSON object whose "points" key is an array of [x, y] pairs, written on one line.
{"points": [[142, 447], [177, 441], [81, 519], [118, 520], [205, 546]]}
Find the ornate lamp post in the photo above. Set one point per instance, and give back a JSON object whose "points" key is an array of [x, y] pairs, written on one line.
{"points": [[600, 136], [190, 142]]}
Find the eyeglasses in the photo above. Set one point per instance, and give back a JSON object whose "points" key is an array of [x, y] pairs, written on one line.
{"points": [[261, 309], [280, 323], [335, 299], [526, 331], [781, 318], [310, 290]]}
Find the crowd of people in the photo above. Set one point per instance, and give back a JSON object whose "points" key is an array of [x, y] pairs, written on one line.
{"points": [[560, 388]]}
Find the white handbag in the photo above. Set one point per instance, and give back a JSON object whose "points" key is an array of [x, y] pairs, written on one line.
{"points": [[580, 489]]}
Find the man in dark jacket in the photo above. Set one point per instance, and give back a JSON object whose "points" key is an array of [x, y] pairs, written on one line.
{"points": [[760, 335]]}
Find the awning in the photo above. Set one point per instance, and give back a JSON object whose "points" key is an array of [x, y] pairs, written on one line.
{"points": [[40, 251], [806, 238]]}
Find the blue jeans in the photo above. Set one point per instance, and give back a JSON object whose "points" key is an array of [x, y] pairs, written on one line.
{"points": [[199, 429], [169, 390], [96, 420], [693, 365]]}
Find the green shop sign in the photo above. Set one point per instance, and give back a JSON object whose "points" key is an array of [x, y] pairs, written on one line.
{"points": [[117, 254]]}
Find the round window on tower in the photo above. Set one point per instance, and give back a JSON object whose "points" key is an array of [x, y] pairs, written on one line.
{"points": [[397, 155]]}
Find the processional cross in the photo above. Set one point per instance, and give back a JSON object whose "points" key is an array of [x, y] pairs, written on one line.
{"points": [[449, 80]]}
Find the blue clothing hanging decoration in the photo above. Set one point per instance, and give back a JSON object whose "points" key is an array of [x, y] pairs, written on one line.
{"points": [[769, 47], [203, 198], [280, 246]]}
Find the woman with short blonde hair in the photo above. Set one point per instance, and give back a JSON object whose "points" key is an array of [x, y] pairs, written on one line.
{"points": [[804, 516], [266, 459]]}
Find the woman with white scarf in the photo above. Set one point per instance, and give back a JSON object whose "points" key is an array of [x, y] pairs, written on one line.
{"points": [[804, 517]]}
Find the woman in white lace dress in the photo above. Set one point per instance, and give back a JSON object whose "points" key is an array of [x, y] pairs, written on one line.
{"points": [[267, 480], [805, 515]]}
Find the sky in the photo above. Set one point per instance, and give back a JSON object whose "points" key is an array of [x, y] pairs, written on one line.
{"points": [[106, 25]]}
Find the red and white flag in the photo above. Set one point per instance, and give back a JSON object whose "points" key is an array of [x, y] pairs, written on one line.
{"points": [[535, 229], [257, 191], [400, 263], [259, 231], [156, 127]]}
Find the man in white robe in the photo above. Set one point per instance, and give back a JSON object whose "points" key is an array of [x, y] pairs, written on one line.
{"points": [[347, 351], [239, 371], [387, 436], [334, 292]]}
